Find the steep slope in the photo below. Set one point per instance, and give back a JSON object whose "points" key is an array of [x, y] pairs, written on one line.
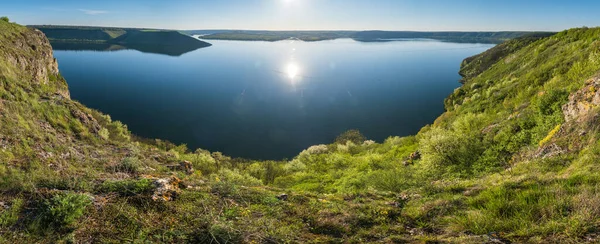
{"points": [[514, 158], [475, 65]]}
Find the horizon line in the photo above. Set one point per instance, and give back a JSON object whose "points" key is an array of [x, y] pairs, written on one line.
{"points": [[299, 30]]}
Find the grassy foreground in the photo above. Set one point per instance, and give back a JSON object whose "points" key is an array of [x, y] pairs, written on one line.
{"points": [[514, 158]]}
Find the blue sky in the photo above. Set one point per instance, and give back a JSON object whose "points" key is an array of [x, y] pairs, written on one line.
{"points": [[426, 15]]}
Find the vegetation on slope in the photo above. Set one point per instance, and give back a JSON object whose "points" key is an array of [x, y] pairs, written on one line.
{"points": [[475, 65], [514, 158]]}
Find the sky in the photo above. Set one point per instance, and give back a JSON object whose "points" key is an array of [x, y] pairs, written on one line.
{"points": [[420, 15]]}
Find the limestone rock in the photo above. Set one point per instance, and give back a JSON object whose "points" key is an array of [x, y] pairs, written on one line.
{"points": [[86, 119], [548, 151], [166, 189], [583, 101], [32, 54]]}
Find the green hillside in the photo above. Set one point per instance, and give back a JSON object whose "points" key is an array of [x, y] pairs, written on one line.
{"points": [[515, 158]]}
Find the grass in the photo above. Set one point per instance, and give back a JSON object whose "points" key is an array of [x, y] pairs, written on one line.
{"points": [[71, 174]]}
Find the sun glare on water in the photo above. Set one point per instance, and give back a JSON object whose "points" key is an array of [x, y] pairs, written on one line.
{"points": [[292, 70]]}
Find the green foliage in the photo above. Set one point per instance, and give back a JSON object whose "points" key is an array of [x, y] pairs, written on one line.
{"points": [[62, 210], [10, 216], [353, 136], [127, 187], [129, 165], [104, 133], [4, 18]]}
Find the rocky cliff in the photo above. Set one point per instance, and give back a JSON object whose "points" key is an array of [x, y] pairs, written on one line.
{"points": [[29, 52]]}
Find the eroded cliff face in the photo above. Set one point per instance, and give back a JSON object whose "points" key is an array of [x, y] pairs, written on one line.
{"points": [[29, 53]]}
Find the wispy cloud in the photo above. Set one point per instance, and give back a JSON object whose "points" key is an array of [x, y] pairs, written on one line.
{"points": [[93, 12]]}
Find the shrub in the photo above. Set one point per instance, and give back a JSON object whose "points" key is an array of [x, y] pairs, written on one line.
{"points": [[4, 18], [202, 161], [127, 187], [551, 102], [550, 135], [235, 177], [450, 152], [318, 149], [352, 135], [129, 165], [10, 216], [63, 210], [119, 131], [104, 133]]}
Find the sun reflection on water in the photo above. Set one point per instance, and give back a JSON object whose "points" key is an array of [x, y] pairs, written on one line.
{"points": [[292, 70]]}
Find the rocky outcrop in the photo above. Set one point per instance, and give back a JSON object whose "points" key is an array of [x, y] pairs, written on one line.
{"points": [[32, 54], [166, 189], [582, 102], [549, 151]]}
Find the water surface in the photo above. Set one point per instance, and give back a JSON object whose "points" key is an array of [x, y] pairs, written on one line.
{"points": [[270, 100]]}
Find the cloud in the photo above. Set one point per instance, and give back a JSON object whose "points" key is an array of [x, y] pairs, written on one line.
{"points": [[93, 12]]}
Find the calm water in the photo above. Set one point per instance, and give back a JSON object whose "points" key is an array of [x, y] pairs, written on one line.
{"points": [[266, 100]]}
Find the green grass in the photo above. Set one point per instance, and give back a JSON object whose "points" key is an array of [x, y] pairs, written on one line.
{"points": [[71, 174]]}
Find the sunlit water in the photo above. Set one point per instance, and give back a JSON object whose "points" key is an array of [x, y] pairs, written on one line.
{"points": [[264, 100]]}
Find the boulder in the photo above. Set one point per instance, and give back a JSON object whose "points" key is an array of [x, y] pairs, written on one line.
{"points": [[183, 166], [583, 101], [282, 197], [166, 189], [415, 156]]}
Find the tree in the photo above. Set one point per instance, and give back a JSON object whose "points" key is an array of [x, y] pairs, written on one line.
{"points": [[352, 135], [4, 18]]}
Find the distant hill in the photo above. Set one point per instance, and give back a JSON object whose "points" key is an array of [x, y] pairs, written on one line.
{"points": [[253, 35], [133, 36], [168, 42], [483, 37], [364, 36]]}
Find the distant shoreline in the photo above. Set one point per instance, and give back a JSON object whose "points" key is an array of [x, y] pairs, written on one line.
{"points": [[106, 34]]}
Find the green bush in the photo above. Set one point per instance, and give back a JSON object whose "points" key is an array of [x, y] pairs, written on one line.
{"points": [[127, 187], [129, 165], [4, 18], [238, 178], [450, 152], [63, 210], [352, 135], [9, 216], [104, 133], [202, 161]]}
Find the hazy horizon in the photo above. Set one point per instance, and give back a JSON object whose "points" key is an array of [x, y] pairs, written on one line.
{"points": [[307, 15]]}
